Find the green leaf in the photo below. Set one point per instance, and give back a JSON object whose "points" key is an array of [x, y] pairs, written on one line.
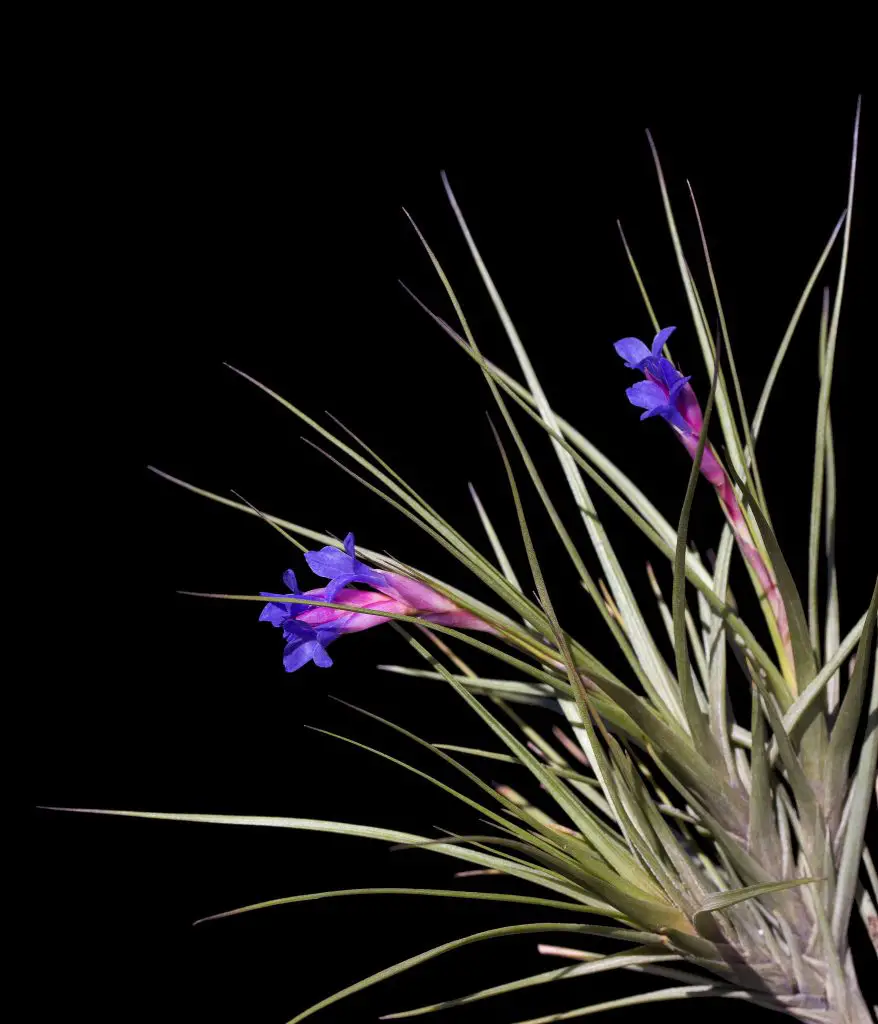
{"points": [[548, 852], [797, 715], [762, 836], [632, 800], [872, 875], [810, 814], [694, 641], [791, 329], [529, 873], [597, 833], [528, 843], [837, 988], [866, 907], [302, 531], [833, 628], [844, 730], [494, 540], [687, 762], [817, 485], [638, 632], [500, 897], [512, 690], [864, 776], [664, 995], [430, 954], [511, 807], [828, 362], [564, 773], [598, 964], [653, 318], [540, 694], [266, 519], [723, 900]]}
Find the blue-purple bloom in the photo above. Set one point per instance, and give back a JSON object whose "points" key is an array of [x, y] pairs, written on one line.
{"points": [[277, 612], [304, 642], [657, 401], [342, 568], [665, 392], [308, 643], [638, 357]]}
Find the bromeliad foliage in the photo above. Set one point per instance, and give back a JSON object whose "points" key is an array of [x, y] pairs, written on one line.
{"points": [[725, 855]]}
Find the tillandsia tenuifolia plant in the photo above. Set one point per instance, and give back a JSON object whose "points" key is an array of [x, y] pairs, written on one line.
{"points": [[725, 856]]}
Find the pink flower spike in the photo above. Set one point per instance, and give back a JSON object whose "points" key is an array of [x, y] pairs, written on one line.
{"points": [[430, 605], [309, 629], [667, 394], [352, 622]]}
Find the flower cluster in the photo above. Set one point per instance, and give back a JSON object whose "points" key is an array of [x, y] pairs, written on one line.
{"points": [[665, 392], [309, 629]]}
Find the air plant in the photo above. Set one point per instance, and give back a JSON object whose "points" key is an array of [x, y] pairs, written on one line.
{"points": [[723, 855]]}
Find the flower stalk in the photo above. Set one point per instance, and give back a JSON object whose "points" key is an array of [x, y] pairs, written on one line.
{"points": [[666, 393]]}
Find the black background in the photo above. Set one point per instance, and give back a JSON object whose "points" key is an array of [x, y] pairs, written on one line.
{"points": [[181, 220]]}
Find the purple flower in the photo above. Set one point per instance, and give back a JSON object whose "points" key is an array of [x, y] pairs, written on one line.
{"points": [[638, 357], [660, 401], [307, 643], [342, 568], [277, 612], [665, 392], [304, 642]]}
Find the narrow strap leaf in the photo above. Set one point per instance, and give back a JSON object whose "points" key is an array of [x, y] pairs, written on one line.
{"points": [[664, 995], [723, 900], [863, 786], [641, 638], [430, 954], [841, 739], [537, 875], [597, 963], [767, 388], [500, 897]]}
